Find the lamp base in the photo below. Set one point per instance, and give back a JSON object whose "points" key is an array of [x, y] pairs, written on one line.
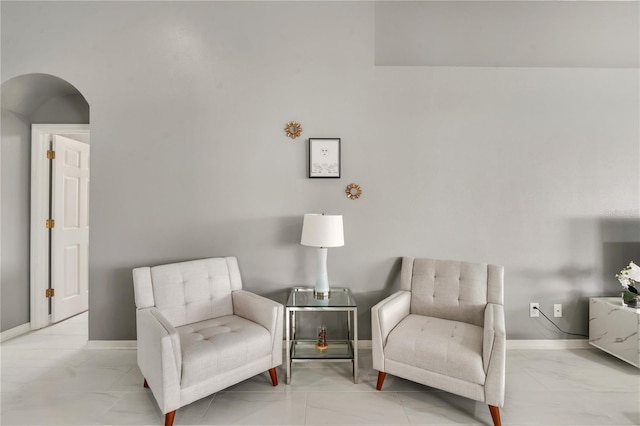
{"points": [[321, 289], [321, 294]]}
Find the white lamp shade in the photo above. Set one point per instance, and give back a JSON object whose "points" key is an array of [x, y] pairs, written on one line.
{"points": [[322, 230]]}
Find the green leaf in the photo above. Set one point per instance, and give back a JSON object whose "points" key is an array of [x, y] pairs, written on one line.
{"points": [[628, 296]]}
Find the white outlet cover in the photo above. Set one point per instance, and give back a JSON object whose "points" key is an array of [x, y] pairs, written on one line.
{"points": [[557, 310], [534, 313]]}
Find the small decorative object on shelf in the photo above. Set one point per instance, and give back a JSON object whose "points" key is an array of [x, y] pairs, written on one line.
{"points": [[629, 277], [322, 338], [353, 191], [293, 129]]}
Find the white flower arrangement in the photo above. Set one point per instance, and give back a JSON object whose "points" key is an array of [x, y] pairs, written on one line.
{"points": [[629, 277]]}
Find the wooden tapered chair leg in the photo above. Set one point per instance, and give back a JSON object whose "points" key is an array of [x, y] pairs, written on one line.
{"points": [[274, 376], [168, 418], [381, 376], [495, 415]]}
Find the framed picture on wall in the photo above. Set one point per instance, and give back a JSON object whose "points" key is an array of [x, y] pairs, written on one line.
{"points": [[324, 157]]}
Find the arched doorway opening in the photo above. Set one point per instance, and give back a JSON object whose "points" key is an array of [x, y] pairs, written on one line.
{"points": [[34, 107]]}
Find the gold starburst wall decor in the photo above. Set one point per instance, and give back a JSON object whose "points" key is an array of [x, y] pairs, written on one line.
{"points": [[293, 129], [353, 191]]}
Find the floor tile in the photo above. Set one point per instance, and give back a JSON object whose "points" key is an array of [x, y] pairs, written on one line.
{"points": [[564, 371], [132, 408], [56, 408], [49, 377], [355, 408], [443, 408], [256, 408]]}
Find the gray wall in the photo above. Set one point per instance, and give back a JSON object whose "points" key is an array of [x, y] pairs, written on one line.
{"points": [[583, 34], [528, 167], [16, 157], [68, 109]]}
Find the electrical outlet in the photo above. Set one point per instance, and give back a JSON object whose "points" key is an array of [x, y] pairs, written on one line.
{"points": [[534, 313], [557, 310]]}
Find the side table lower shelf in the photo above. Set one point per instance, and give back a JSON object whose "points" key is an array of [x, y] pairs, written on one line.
{"points": [[305, 350], [337, 351]]}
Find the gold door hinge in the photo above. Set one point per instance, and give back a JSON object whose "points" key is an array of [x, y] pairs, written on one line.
{"points": [[50, 223], [51, 154], [49, 293]]}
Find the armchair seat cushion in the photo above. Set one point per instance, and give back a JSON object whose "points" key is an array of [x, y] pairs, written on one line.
{"points": [[220, 345], [451, 348]]}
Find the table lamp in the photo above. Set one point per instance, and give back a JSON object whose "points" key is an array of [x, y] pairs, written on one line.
{"points": [[322, 231]]}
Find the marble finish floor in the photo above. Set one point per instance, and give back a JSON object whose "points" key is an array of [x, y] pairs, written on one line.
{"points": [[49, 377]]}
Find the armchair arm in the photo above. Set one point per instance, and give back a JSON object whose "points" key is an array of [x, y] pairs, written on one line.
{"points": [[265, 312], [384, 317], [159, 357], [494, 354]]}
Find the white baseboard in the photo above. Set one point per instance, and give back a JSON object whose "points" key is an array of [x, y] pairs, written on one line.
{"points": [[112, 344], [525, 344], [549, 344], [15, 332], [364, 344], [518, 344]]}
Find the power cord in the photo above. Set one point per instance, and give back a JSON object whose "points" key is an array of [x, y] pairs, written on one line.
{"points": [[554, 324]]}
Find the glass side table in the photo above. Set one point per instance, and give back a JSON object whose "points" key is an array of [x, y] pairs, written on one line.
{"points": [[299, 350]]}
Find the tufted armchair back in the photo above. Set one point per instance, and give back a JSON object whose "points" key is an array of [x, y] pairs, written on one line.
{"points": [[451, 290], [189, 292]]}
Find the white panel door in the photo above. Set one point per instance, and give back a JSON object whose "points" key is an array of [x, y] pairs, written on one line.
{"points": [[70, 235]]}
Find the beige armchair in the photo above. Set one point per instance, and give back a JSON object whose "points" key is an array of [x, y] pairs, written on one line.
{"points": [[445, 329], [199, 332]]}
